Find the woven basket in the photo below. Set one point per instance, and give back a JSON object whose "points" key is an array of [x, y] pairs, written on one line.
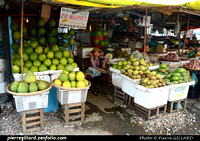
{"points": [[30, 93]]}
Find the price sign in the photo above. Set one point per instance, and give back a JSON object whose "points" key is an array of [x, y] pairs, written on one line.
{"points": [[68, 19]]}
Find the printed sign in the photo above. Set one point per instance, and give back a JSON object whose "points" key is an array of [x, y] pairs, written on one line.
{"points": [[77, 20]]}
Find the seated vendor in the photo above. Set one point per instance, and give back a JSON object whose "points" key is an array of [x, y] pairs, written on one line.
{"points": [[97, 63], [146, 56]]}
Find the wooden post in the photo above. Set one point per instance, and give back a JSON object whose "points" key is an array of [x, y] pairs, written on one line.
{"points": [[21, 44], [186, 32], [145, 32], [179, 36]]}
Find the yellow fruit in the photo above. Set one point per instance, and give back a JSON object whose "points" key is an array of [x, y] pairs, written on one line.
{"points": [[58, 82]]}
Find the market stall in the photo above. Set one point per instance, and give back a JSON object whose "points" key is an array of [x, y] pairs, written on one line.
{"points": [[52, 49]]}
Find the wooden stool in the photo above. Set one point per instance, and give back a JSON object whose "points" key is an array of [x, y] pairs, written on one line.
{"points": [[118, 95], [170, 105], [32, 120], [152, 112], [71, 113], [129, 101]]}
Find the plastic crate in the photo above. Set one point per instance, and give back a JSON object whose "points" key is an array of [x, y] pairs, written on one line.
{"points": [[116, 77], [128, 85], [179, 91], [31, 102], [68, 97], [151, 97]]}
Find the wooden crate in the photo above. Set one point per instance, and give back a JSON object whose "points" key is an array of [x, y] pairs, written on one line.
{"points": [[71, 113], [152, 112], [118, 95], [170, 105], [32, 120], [129, 101], [107, 80]]}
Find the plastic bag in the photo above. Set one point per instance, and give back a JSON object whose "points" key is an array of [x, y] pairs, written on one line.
{"points": [[137, 54], [177, 26]]}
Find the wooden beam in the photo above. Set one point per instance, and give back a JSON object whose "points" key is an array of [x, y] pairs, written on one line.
{"points": [[145, 32], [179, 34], [186, 33], [21, 44]]}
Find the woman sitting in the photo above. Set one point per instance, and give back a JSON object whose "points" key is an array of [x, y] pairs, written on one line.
{"points": [[97, 63]]}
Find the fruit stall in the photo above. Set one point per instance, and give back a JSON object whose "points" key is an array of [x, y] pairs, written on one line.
{"points": [[49, 57]]}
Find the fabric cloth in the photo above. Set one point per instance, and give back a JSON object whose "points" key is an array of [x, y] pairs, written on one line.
{"points": [[94, 72]]}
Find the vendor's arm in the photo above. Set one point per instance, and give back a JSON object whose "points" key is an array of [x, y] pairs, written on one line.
{"points": [[105, 59], [92, 63]]}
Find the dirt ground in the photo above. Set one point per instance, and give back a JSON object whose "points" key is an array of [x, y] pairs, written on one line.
{"points": [[103, 116]]}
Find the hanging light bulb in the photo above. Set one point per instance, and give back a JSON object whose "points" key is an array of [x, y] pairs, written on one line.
{"points": [[27, 19]]}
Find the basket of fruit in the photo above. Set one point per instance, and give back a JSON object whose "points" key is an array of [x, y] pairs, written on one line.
{"points": [[151, 91], [72, 87], [30, 93], [181, 82]]}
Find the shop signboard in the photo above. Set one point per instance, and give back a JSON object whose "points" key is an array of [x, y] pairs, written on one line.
{"points": [[77, 20]]}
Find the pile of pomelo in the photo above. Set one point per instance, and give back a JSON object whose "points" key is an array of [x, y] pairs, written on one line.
{"points": [[29, 84], [100, 38], [71, 79], [38, 56]]}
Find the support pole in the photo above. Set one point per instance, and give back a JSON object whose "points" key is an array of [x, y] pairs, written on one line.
{"points": [[186, 33], [21, 40], [179, 36], [145, 31]]}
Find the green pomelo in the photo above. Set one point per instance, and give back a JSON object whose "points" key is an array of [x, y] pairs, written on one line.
{"points": [[63, 77], [14, 86], [72, 76], [60, 67], [36, 63], [65, 36], [16, 35], [42, 85], [52, 22], [25, 56], [33, 31], [15, 69], [33, 56], [42, 57], [71, 32], [14, 26], [50, 54], [47, 62], [63, 61], [66, 53], [28, 64], [22, 88], [71, 41], [41, 22], [42, 68], [41, 30], [42, 40], [74, 65], [69, 67], [28, 50], [70, 60], [55, 48], [52, 67], [58, 54], [33, 87], [54, 31], [39, 50], [46, 50], [98, 33], [15, 46], [25, 69], [105, 33], [34, 43], [55, 61], [29, 77], [96, 41], [73, 84]]}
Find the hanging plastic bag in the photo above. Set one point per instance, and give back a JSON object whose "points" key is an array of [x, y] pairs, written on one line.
{"points": [[177, 26], [136, 54], [113, 23]]}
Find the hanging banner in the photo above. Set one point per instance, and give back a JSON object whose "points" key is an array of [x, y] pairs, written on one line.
{"points": [[77, 20]]}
